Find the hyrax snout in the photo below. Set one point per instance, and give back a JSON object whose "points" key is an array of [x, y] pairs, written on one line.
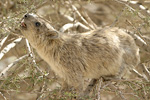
{"points": [[101, 52]]}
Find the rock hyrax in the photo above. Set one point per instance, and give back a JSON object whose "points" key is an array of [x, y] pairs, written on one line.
{"points": [[101, 52]]}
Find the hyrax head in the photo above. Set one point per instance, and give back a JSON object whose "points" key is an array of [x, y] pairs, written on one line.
{"points": [[32, 24]]}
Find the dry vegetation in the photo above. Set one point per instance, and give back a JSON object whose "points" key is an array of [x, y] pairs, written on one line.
{"points": [[25, 76]]}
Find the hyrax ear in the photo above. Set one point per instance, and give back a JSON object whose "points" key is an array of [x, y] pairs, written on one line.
{"points": [[52, 34]]}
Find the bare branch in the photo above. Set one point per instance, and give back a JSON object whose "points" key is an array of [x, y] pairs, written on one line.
{"points": [[99, 88], [146, 71], [15, 32], [71, 25], [79, 14], [90, 20], [31, 55], [140, 42], [9, 46], [132, 9], [117, 18], [3, 41], [144, 92], [138, 5], [139, 75], [3, 96], [120, 92], [42, 89], [8, 69]]}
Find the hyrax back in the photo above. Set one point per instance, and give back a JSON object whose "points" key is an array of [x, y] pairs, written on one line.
{"points": [[101, 52]]}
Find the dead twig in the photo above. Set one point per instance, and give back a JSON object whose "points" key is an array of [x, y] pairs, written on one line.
{"points": [[131, 9], [118, 91], [138, 5], [99, 88], [3, 96], [9, 46], [3, 41], [8, 69], [117, 18], [42, 89], [135, 29], [146, 71], [90, 20], [139, 75], [71, 25], [32, 57], [140, 42], [79, 14], [144, 92]]}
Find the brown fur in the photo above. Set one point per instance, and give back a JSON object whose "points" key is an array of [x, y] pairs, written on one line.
{"points": [[101, 52]]}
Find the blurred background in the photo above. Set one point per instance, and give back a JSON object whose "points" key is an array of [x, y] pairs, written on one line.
{"points": [[25, 76]]}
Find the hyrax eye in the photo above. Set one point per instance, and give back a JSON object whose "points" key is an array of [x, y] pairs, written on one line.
{"points": [[37, 24]]}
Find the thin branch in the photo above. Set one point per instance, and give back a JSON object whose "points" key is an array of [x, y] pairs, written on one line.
{"points": [[3, 96], [144, 92], [146, 38], [120, 92], [42, 89], [146, 71], [8, 47], [31, 55], [140, 42], [3, 41], [90, 20], [135, 29], [18, 91], [8, 69], [99, 88], [117, 18], [114, 88], [138, 5], [133, 10], [139, 75], [79, 14], [70, 25], [16, 32]]}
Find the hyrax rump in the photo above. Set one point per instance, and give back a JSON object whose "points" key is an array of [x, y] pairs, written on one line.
{"points": [[101, 52]]}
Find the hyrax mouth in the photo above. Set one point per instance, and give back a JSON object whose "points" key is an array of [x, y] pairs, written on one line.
{"points": [[23, 25]]}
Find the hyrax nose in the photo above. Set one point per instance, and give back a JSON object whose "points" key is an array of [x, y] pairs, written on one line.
{"points": [[26, 16]]}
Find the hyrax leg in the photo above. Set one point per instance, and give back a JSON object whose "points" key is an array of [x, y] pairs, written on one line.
{"points": [[75, 80], [64, 86], [79, 87], [89, 87]]}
